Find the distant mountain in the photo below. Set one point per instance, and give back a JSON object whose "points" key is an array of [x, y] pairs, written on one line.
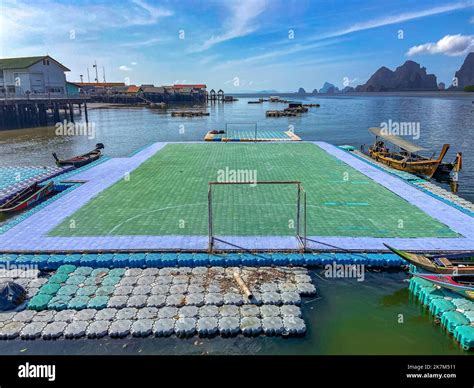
{"points": [[409, 76], [328, 88], [301, 91], [348, 89], [315, 91], [465, 75]]}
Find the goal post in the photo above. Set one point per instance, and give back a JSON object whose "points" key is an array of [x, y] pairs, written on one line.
{"points": [[256, 209], [247, 131]]}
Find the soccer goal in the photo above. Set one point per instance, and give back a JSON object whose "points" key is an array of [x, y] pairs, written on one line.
{"points": [[241, 131], [241, 212]]}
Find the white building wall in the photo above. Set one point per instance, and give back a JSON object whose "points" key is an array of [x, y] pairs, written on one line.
{"points": [[40, 78]]}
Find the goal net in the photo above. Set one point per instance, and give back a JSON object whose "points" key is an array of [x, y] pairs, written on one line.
{"points": [[256, 209], [241, 131]]}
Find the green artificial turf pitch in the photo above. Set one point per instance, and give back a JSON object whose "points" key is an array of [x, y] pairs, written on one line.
{"points": [[167, 195]]}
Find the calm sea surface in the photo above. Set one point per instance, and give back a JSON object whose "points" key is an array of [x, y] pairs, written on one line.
{"points": [[340, 120], [376, 316]]}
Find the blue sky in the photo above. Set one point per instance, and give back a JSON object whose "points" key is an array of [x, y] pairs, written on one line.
{"points": [[240, 45]]}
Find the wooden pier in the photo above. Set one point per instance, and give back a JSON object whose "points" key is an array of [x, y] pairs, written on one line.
{"points": [[19, 112]]}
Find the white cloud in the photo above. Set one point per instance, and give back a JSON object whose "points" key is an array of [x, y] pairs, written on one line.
{"points": [[22, 21], [133, 63], [242, 21], [400, 18], [125, 68], [452, 45]]}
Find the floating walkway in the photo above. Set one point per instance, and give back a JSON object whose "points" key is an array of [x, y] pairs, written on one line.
{"points": [[45, 261], [77, 302], [456, 314]]}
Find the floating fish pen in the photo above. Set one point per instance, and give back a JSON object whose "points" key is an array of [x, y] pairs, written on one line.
{"points": [[189, 114], [312, 105], [454, 313], [281, 113], [255, 102]]}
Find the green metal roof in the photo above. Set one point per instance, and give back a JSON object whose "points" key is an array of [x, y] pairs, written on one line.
{"points": [[25, 62]]}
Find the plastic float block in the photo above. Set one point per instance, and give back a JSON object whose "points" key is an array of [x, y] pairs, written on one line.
{"points": [[89, 260], [117, 272], [248, 259], [41, 261], [39, 302], [98, 302], [296, 259], [105, 260], [169, 259], [58, 278], [120, 260], [55, 261], [217, 260], [282, 258], [78, 302], [66, 269], [465, 336], [74, 259], [452, 319], [201, 259], [153, 260], [264, 259], [136, 260], [232, 259], [185, 260]]}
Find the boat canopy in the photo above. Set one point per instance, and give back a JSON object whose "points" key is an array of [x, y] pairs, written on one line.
{"points": [[396, 140]]}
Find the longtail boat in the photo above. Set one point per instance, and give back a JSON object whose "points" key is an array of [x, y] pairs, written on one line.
{"points": [[460, 284], [82, 160], [26, 198], [406, 156], [455, 264]]}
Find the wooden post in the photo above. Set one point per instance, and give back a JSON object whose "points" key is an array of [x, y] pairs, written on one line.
{"points": [[56, 116], [71, 112], [243, 287], [18, 119], [85, 111]]}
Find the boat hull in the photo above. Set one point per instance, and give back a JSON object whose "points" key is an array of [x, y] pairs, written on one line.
{"points": [[425, 169], [427, 263], [23, 203], [449, 283]]}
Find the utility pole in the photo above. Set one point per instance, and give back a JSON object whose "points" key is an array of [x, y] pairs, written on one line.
{"points": [[103, 70], [96, 72], [88, 76], [81, 78]]}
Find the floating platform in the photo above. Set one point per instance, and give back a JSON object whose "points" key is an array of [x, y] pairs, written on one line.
{"points": [[189, 114], [168, 186], [250, 136], [281, 113], [14, 179], [456, 314], [76, 302]]}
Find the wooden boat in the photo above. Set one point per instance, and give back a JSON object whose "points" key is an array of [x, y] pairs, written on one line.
{"points": [[456, 264], [406, 158], [460, 284], [82, 160], [27, 197]]}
